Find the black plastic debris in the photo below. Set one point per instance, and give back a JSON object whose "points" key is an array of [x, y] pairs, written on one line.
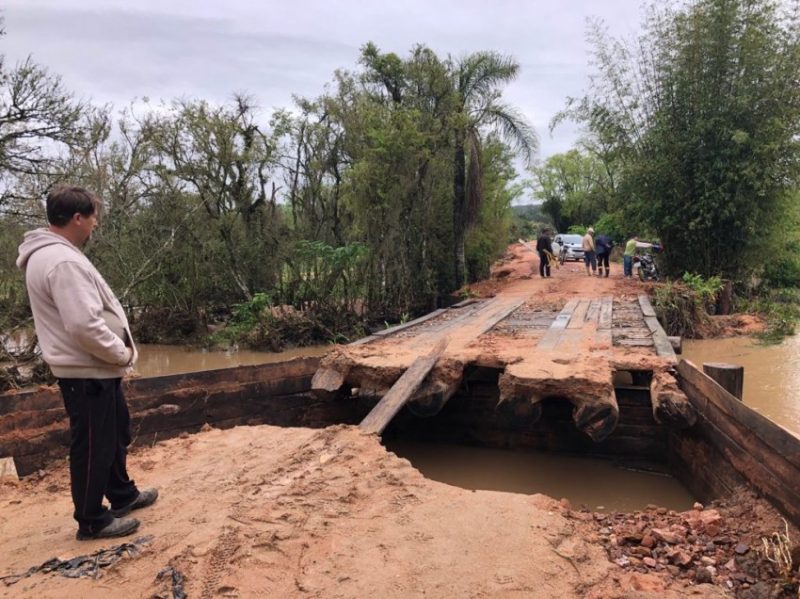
{"points": [[83, 565], [177, 582]]}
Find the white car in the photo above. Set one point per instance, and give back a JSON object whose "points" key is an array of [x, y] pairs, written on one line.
{"points": [[572, 245]]}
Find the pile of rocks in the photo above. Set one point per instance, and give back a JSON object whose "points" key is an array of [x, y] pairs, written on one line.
{"points": [[721, 546]]}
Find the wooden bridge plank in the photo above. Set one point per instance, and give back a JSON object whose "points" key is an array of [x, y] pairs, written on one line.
{"points": [[606, 308], [647, 307], [499, 314], [603, 336], [410, 323], [660, 340], [579, 316], [401, 391], [594, 310], [550, 338]]}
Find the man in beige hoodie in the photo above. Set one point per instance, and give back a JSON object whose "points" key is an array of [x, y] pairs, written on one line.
{"points": [[85, 338]]}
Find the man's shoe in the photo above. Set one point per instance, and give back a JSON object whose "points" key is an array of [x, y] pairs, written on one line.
{"points": [[143, 499], [119, 527]]}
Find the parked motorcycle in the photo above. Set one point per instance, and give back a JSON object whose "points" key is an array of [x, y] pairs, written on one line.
{"points": [[644, 263]]}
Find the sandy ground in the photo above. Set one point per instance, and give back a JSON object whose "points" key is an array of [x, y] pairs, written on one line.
{"points": [[273, 512], [287, 512]]}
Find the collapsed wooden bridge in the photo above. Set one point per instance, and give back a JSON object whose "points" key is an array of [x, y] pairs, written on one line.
{"points": [[581, 353]]}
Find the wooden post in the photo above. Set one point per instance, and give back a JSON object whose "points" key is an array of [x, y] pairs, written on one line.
{"points": [[729, 376], [676, 342], [725, 298]]}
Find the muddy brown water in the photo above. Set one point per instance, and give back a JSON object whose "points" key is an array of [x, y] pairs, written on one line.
{"points": [[771, 373], [597, 484], [161, 360]]}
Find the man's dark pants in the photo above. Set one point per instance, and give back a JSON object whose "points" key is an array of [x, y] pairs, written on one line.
{"points": [[590, 259], [544, 265], [99, 425]]}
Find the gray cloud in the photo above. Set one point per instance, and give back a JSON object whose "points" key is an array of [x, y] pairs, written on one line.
{"points": [[111, 51]]}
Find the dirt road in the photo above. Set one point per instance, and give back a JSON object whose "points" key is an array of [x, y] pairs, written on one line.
{"points": [[263, 511]]}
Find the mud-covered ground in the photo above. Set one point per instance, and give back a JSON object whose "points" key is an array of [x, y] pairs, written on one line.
{"points": [[285, 512], [263, 511]]}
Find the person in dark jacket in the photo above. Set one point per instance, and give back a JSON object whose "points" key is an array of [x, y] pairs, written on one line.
{"points": [[603, 245], [544, 247]]}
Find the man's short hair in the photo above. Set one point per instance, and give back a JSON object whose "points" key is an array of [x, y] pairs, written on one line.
{"points": [[66, 200]]}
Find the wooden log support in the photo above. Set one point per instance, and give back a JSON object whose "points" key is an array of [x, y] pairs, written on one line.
{"points": [[595, 410], [327, 383], [405, 387], [729, 376], [671, 407], [518, 410], [597, 416]]}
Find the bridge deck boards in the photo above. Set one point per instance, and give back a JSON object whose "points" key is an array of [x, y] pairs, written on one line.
{"points": [[572, 353]]}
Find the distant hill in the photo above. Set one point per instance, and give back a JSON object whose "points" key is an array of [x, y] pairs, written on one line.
{"points": [[529, 212]]}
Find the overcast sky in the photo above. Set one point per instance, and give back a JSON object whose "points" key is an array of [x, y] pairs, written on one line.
{"points": [[117, 50]]}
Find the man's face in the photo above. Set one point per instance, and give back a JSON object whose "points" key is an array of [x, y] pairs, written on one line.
{"points": [[85, 225]]}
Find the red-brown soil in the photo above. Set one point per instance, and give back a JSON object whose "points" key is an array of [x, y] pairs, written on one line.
{"points": [[263, 511]]}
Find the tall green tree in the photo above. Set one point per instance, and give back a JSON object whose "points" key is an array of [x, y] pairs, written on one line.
{"points": [[477, 80], [704, 113], [575, 188], [39, 120]]}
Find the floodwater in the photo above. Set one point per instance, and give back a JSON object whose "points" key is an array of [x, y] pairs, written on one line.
{"points": [[595, 483], [161, 360], [771, 373]]}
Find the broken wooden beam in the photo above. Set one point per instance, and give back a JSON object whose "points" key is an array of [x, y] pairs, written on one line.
{"points": [[586, 382], [671, 407], [405, 387]]}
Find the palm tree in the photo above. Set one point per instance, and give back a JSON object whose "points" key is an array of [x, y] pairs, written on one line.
{"points": [[476, 80]]}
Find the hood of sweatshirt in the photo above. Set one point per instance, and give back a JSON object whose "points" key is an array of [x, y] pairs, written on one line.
{"points": [[36, 240]]}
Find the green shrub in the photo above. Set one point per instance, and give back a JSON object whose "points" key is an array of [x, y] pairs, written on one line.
{"points": [[783, 271], [681, 310], [706, 289]]}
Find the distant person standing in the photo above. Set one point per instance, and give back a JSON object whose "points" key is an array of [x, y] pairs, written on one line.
{"points": [[631, 246], [85, 338], [627, 257], [589, 256], [544, 247], [603, 244]]}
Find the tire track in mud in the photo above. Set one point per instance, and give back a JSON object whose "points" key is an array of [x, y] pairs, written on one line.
{"points": [[217, 564], [283, 507]]}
